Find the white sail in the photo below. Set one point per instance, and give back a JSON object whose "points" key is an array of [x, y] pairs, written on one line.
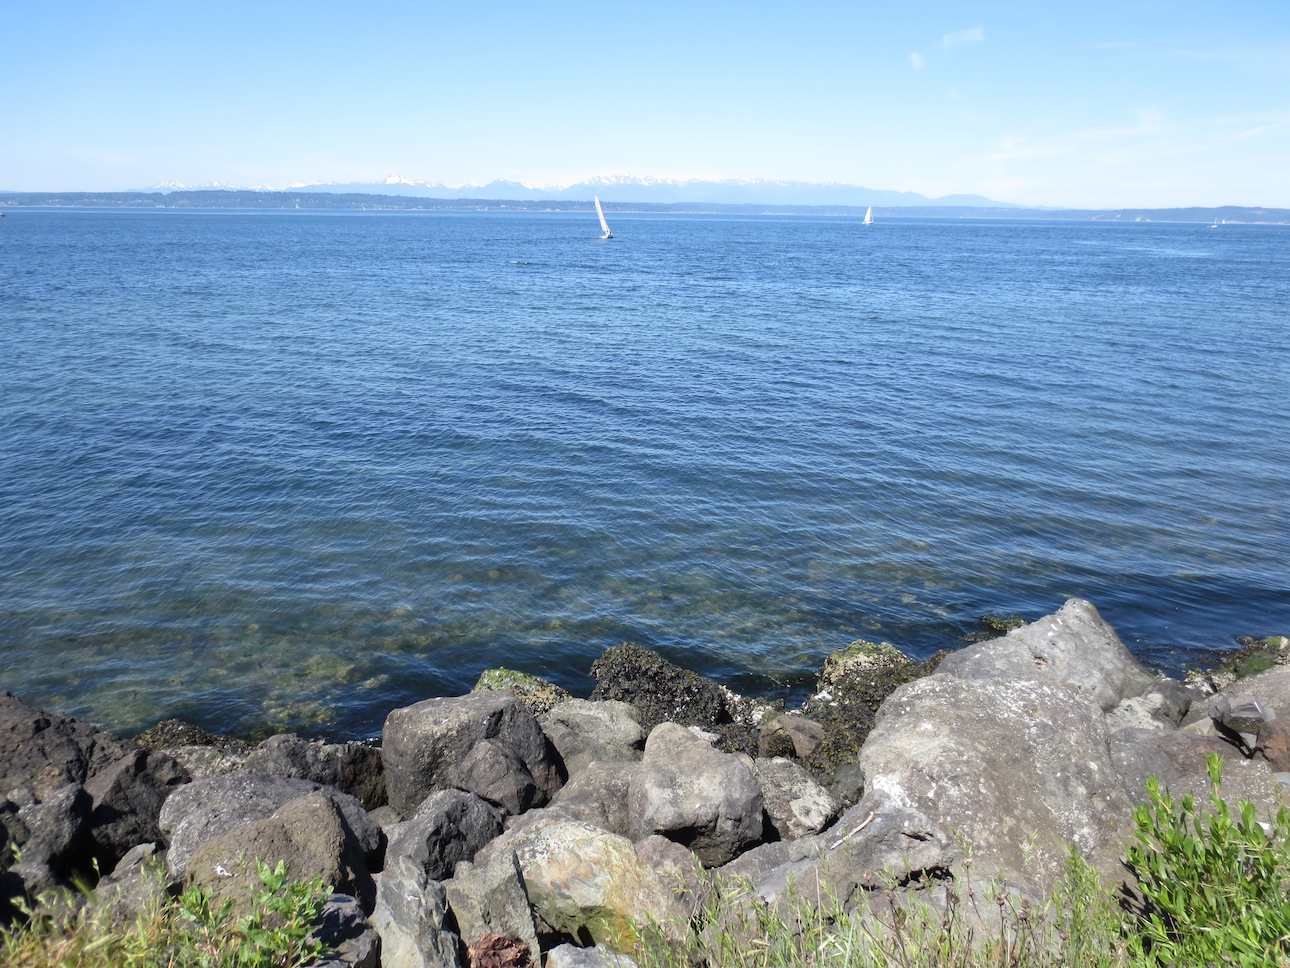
{"points": [[868, 216], [604, 226]]}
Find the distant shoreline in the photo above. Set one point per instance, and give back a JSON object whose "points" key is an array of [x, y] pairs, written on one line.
{"points": [[353, 202]]}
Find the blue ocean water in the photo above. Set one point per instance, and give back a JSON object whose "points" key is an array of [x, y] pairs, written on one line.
{"points": [[284, 470]]}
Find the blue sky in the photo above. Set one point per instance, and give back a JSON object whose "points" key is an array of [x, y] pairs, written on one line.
{"points": [[1098, 104]]}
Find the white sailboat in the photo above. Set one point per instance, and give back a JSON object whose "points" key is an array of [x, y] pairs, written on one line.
{"points": [[604, 226], [868, 217]]}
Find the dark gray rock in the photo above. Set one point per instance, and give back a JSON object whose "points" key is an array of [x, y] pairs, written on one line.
{"points": [[127, 797], [353, 768], [494, 772], [491, 900], [583, 731], [41, 752], [346, 931], [214, 805], [689, 792], [410, 917], [449, 827], [424, 743], [53, 834]]}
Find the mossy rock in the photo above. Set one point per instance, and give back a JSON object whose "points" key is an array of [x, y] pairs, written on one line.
{"points": [[171, 734], [1255, 655], [661, 691], [853, 683], [994, 626], [534, 692], [860, 660]]}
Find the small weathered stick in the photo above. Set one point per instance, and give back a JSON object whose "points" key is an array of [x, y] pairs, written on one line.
{"points": [[843, 839]]}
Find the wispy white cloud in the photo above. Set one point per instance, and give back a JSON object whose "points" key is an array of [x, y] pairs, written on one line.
{"points": [[1261, 129], [917, 61], [973, 35]]}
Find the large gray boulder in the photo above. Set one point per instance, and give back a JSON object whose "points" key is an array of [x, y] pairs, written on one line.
{"points": [[450, 826], [53, 837], [1021, 768], [584, 731], [1074, 647], [215, 805], [424, 745], [583, 882], [309, 834], [687, 791], [411, 916]]}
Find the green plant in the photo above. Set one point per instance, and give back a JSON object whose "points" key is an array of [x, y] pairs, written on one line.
{"points": [[1215, 883], [953, 925], [189, 930]]}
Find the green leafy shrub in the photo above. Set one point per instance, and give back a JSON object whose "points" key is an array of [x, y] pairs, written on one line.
{"points": [[188, 930], [1214, 884]]}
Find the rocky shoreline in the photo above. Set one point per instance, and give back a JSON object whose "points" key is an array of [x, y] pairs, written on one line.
{"points": [[518, 825]]}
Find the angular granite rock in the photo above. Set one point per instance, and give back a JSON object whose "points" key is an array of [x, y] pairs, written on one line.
{"points": [[583, 882], [411, 917], [689, 792], [449, 827], [583, 731], [491, 900], [309, 834], [795, 804], [212, 806], [425, 744]]}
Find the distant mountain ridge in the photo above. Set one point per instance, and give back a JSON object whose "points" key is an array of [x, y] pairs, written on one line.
{"points": [[630, 189]]}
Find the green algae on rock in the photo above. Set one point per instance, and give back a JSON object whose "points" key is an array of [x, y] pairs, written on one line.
{"points": [[539, 695]]}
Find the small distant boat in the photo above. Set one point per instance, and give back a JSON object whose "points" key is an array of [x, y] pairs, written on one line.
{"points": [[604, 226], [1215, 225], [868, 217]]}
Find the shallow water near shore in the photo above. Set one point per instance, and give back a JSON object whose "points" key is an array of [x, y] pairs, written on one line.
{"points": [[289, 471]]}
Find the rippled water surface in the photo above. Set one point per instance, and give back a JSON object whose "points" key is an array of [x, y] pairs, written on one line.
{"points": [[292, 470]]}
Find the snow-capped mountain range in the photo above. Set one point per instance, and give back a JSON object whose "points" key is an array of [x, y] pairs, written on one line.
{"points": [[626, 189]]}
